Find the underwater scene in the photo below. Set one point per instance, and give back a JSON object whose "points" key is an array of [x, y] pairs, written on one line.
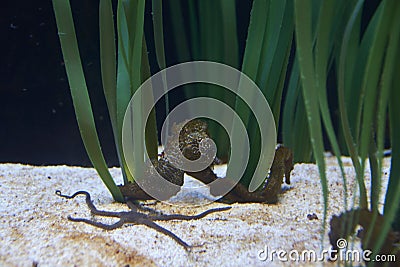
{"points": [[200, 133]]}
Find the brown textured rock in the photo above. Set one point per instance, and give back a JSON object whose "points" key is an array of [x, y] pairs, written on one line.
{"points": [[164, 168], [188, 141]]}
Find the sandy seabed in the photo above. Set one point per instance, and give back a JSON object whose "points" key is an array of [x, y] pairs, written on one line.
{"points": [[34, 228]]}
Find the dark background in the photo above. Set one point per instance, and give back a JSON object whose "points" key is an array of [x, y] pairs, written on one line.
{"points": [[38, 124], [37, 120], [37, 116]]}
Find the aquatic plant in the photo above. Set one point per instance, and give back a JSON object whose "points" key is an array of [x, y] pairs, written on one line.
{"points": [[120, 78], [291, 50], [365, 61]]}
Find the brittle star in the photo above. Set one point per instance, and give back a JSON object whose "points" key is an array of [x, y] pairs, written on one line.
{"points": [[135, 217]]}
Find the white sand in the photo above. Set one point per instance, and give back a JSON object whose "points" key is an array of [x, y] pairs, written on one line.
{"points": [[34, 225]]}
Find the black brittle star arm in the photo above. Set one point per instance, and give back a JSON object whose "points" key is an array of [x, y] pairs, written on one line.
{"points": [[170, 217], [135, 217]]}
